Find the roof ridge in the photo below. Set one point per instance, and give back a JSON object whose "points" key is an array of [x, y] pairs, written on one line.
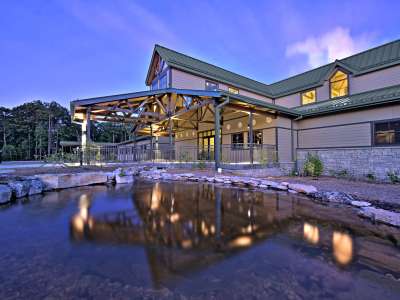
{"points": [[237, 74], [370, 49]]}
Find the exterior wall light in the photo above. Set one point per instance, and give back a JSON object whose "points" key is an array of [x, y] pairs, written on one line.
{"points": [[240, 125], [268, 120]]}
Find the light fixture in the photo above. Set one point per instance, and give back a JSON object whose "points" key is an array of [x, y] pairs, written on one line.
{"points": [[228, 126], [254, 122], [268, 120], [240, 125]]}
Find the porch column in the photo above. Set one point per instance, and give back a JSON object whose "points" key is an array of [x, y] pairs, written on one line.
{"points": [[151, 142], [170, 139], [217, 139], [85, 140], [251, 148]]}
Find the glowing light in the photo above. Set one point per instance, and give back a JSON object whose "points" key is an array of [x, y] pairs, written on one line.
{"points": [[186, 244], [311, 233], [240, 125], [254, 122], [174, 218], [242, 241], [268, 120], [342, 247], [228, 126], [156, 197], [212, 229]]}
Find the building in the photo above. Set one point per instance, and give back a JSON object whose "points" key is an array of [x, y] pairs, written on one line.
{"points": [[348, 112]]}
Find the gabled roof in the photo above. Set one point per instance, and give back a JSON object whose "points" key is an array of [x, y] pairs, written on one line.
{"points": [[189, 64], [367, 61], [366, 99]]}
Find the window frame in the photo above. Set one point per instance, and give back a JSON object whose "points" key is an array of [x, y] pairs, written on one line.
{"points": [[301, 97], [233, 88], [373, 132], [254, 135], [330, 83], [212, 82], [237, 145]]}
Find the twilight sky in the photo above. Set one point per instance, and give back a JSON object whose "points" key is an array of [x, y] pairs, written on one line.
{"points": [[68, 49]]}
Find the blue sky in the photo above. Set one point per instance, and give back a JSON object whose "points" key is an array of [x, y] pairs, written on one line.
{"points": [[69, 49]]}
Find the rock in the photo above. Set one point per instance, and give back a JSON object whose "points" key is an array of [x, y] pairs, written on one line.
{"points": [[292, 192], [285, 183], [124, 179], [35, 187], [5, 194], [381, 215], [270, 183], [360, 203], [280, 187], [20, 188], [62, 181], [334, 197], [263, 186], [303, 188]]}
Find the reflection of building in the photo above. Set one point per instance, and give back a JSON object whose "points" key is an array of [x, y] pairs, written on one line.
{"points": [[187, 227]]}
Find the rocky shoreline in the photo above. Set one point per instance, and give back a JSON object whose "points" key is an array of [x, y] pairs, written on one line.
{"points": [[12, 188]]}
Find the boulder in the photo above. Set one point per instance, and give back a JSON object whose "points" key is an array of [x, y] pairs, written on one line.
{"points": [[124, 179], [62, 181], [381, 215], [5, 193], [20, 188], [35, 187], [269, 183], [360, 203], [280, 187], [303, 188], [334, 197]]}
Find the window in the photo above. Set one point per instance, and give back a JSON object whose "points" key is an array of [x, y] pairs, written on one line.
{"points": [[308, 97], [339, 84], [387, 133], [237, 140], [257, 137], [233, 90], [211, 86]]}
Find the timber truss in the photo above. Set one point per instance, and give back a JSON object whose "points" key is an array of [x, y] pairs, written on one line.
{"points": [[162, 112]]}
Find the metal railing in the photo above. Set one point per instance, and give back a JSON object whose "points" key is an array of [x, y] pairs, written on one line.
{"points": [[230, 153]]}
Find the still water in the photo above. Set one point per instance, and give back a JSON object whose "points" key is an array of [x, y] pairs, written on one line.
{"points": [[196, 241]]}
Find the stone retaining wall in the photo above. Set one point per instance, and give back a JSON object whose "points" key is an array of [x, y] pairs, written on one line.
{"points": [[356, 162]]}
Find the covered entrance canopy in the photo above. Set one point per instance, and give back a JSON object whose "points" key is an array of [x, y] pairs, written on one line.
{"points": [[167, 111]]}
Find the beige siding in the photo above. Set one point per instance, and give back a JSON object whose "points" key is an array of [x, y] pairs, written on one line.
{"points": [[289, 101], [269, 136], [183, 80], [338, 136], [375, 80], [372, 114], [284, 145]]}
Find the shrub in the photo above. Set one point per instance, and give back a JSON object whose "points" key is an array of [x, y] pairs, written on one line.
{"points": [[313, 166], [370, 176], [393, 176]]}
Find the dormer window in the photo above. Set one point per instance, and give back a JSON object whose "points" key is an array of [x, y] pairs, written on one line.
{"points": [[339, 84], [233, 90], [211, 86], [308, 97]]}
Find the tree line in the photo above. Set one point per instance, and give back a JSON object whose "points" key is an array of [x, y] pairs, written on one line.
{"points": [[35, 129]]}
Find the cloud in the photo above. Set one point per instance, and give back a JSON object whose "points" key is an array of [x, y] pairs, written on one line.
{"points": [[335, 44]]}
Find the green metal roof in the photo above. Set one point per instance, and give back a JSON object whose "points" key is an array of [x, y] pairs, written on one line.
{"points": [[376, 97], [376, 58], [196, 66]]}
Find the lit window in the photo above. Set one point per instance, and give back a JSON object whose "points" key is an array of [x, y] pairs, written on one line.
{"points": [[233, 90], [237, 140], [211, 86], [387, 133], [308, 97], [339, 84], [257, 137]]}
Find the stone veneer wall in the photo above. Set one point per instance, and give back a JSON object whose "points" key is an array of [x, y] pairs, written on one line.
{"points": [[356, 162]]}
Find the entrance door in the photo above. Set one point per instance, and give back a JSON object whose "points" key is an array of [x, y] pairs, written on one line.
{"points": [[207, 150]]}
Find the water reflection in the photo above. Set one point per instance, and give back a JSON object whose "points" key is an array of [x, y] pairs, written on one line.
{"points": [[311, 233], [342, 247], [184, 227]]}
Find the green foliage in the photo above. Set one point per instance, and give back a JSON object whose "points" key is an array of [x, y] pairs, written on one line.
{"points": [[370, 176], [313, 166], [393, 176]]}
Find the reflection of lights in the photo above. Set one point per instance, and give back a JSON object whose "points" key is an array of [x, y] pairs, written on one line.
{"points": [[249, 213], [155, 197], [212, 229], [186, 244], [174, 218], [242, 241], [311, 233], [84, 203], [204, 228], [342, 247], [78, 223]]}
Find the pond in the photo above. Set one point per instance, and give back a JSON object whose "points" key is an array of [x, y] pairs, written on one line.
{"points": [[160, 240]]}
